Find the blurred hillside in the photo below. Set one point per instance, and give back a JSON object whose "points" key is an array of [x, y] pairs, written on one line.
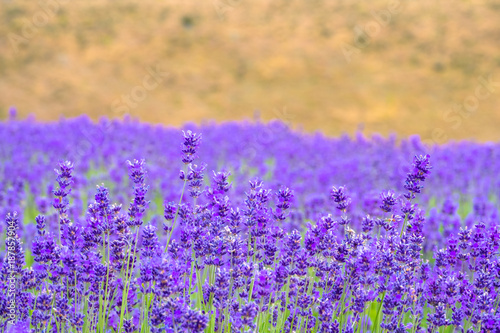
{"points": [[391, 65]]}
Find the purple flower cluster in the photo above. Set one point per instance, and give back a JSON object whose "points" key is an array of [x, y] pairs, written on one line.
{"points": [[254, 256]]}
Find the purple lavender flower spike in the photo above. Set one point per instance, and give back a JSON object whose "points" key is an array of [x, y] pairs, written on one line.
{"points": [[190, 146], [388, 201], [61, 202], [137, 173], [340, 197]]}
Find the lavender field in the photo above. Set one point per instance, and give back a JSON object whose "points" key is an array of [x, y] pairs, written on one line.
{"points": [[123, 226]]}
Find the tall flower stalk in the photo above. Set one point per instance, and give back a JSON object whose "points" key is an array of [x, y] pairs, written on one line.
{"points": [[61, 201], [189, 149]]}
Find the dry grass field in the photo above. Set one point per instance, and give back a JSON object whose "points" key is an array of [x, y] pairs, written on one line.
{"points": [[404, 66]]}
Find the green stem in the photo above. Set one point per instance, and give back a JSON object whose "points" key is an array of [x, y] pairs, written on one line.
{"points": [[375, 323], [127, 282], [176, 213]]}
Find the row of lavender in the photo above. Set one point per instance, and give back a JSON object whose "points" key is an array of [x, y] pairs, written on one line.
{"points": [[200, 254], [465, 176]]}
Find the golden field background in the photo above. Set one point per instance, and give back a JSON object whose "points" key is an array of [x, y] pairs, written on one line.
{"points": [[226, 59]]}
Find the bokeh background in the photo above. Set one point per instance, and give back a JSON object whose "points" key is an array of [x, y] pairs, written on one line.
{"points": [[411, 67]]}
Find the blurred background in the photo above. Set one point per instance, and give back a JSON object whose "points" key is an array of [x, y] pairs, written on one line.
{"points": [[338, 66]]}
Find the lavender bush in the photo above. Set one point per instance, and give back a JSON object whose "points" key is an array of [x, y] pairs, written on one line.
{"points": [[263, 230]]}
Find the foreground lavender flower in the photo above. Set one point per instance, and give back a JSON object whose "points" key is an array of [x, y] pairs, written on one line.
{"points": [[340, 197], [61, 202], [138, 205], [388, 200], [421, 169], [190, 146]]}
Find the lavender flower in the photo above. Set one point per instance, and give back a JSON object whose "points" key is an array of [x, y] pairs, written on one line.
{"points": [[138, 206], [388, 201], [190, 146], [61, 202], [340, 197], [421, 169]]}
